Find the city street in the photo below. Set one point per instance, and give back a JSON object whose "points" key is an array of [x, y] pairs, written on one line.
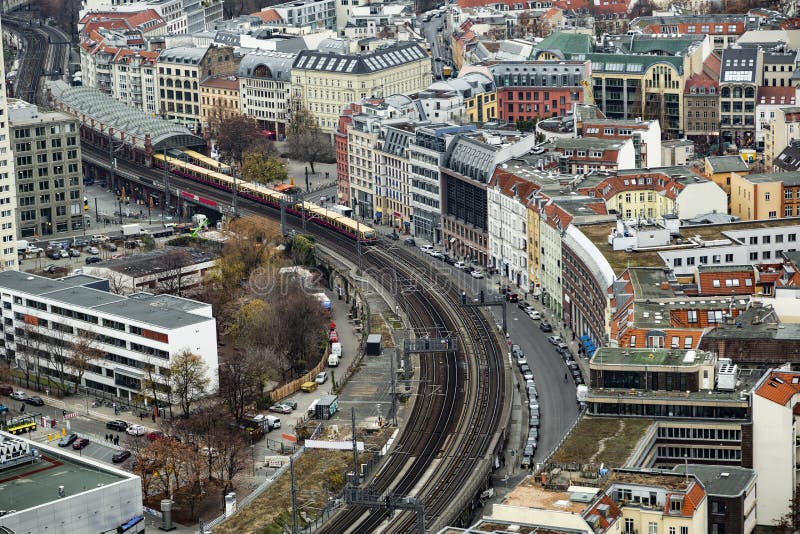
{"points": [[432, 34]]}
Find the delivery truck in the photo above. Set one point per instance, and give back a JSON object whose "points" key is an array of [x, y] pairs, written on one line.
{"points": [[129, 230]]}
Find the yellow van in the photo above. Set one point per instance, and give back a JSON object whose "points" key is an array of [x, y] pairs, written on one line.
{"points": [[309, 387]]}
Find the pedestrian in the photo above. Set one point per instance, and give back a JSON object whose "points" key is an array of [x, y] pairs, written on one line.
{"points": [[116, 439], [141, 416], [154, 417], [21, 408]]}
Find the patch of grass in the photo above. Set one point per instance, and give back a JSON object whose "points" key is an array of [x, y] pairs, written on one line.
{"points": [[378, 325], [614, 438], [314, 471]]}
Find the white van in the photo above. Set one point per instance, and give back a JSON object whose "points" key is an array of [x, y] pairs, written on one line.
{"points": [[336, 348], [427, 249], [333, 360], [273, 422]]}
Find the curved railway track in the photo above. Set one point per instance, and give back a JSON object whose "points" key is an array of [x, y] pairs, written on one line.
{"points": [[447, 450], [45, 53]]}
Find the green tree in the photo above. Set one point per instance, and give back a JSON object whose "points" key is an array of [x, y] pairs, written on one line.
{"points": [[262, 168], [305, 140]]}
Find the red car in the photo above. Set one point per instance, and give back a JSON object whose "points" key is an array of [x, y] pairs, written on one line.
{"points": [[154, 435], [80, 443]]}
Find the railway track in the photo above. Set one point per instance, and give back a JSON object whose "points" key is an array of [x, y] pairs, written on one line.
{"points": [[446, 452], [45, 53]]}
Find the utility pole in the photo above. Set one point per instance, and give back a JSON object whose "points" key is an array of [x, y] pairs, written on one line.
{"points": [[167, 200], [235, 187], [294, 496], [394, 385], [356, 476], [110, 159]]}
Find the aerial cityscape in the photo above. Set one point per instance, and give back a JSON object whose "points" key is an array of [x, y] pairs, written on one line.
{"points": [[359, 266]]}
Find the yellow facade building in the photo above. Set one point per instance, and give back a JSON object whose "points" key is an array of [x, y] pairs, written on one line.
{"points": [[324, 83], [219, 98], [765, 196]]}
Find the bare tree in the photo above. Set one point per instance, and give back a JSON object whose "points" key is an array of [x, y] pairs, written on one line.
{"points": [[117, 282], [235, 134], [85, 351], [156, 383], [188, 379], [297, 324], [241, 380], [29, 350], [59, 346], [306, 141], [170, 280]]}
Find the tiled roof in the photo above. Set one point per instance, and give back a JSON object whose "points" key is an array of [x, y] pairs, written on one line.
{"points": [[564, 43], [789, 158], [700, 80], [612, 512], [268, 15], [713, 281], [776, 95], [713, 63], [779, 387], [613, 185], [691, 501], [512, 185]]}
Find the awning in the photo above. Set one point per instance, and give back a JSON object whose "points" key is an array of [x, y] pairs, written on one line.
{"points": [[396, 214]]}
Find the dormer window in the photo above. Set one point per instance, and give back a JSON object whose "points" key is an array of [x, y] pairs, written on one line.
{"points": [[675, 504]]}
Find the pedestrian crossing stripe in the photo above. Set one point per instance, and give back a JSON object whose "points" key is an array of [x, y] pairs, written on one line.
{"points": [[70, 415]]}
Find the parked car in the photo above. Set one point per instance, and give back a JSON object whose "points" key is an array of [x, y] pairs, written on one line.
{"points": [[18, 395], [136, 430], [6, 390], [529, 449], [561, 347], [544, 326], [523, 368], [154, 435], [93, 250], [468, 269], [34, 401], [410, 241], [121, 456], [3, 408], [67, 440], [290, 403], [80, 443], [515, 349], [393, 236], [535, 315], [554, 340], [321, 378], [521, 360], [80, 243], [280, 408], [459, 265], [63, 253], [92, 259], [309, 387], [526, 462], [477, 273], [117, 424], [512, 297], [54, 254], [108, 245], [74, 253], [427, 249], [534, 421], [528, 375]]}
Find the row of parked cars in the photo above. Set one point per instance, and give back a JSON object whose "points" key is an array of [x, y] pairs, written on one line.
{"points": [[438, 254], [533, 406], [572, 366]]}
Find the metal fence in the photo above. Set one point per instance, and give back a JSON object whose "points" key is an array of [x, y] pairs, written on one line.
{"points": [[255, 493]]}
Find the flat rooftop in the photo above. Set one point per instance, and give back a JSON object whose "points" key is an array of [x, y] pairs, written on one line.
{"points": [[720, 479], [632, 356], [532, 495], [619, 438], [161, 311], [34, 484], [758, 322], [621, 260]]}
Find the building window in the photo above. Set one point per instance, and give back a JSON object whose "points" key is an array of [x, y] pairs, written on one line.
{"points": [[633, 341], [677, 262], [715, 283], [714, 316], [629, 526], [766, 240], [692, 316], [688, 342], [728, 258], [773, 214], [652, 527], [766, 196], [718, 507]]}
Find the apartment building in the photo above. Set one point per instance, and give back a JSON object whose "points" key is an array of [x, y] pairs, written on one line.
{"points": [[536, 89], [769, 100], [8, 197], [723, 28], [49, 182], [324, 83], [136, 335], [481, 103], [765, 196], [133, 75], [646, 136], [779, 68], [701, 103], [201, 14], [313, 15], [180, 71], [392, 176], [586, 155], [362, 137], [741, 74], [771, 445], [782, 130], [508, 197], [265, 83], [219, 98]]}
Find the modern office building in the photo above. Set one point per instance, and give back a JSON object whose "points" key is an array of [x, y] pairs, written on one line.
{"points": [[135, 335], [47, 152], [8, 188], [48, 490]]}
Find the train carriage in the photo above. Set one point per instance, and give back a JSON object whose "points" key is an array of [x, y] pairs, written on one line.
{"points": [[207, 162], [331, 218]]}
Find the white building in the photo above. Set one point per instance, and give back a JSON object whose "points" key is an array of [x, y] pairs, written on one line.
{"points": [[768, 101], [392, 179], [133, 75], [508, 196], [8, 188], [265, 84], [94, 497], [775, 434], [135, 333]]}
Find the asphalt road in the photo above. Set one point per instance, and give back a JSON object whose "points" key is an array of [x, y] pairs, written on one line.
{"points": [[557, 401], [433, 36]]}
